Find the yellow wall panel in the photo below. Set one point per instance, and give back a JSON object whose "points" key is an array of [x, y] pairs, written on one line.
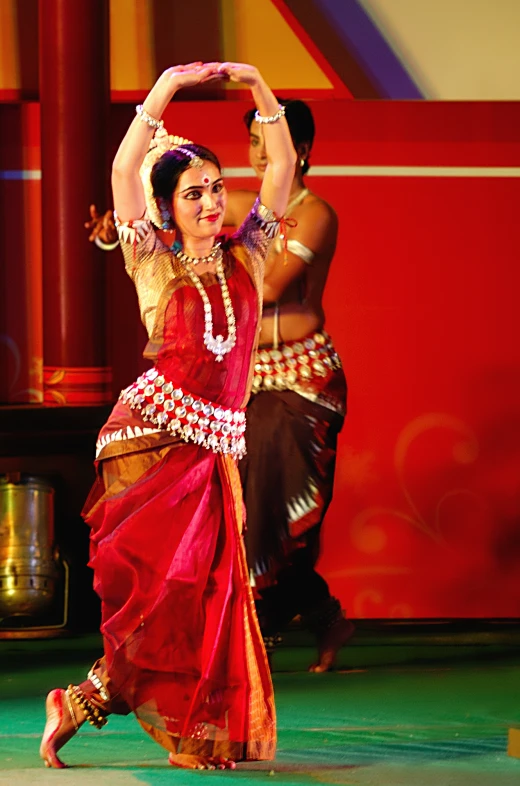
{"points": [[455, 49], [256, 32], [132, 61], [251, 31], [9, 55]]}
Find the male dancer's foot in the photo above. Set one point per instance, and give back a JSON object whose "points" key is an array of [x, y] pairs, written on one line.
{"points": [[330, 641], [63, 721], [271, 642]]}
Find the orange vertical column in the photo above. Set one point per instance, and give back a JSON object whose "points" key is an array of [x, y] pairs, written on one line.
{"points": [[74, 97]]}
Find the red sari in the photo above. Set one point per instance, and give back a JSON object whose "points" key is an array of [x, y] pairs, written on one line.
{"points": [[182, 645]]}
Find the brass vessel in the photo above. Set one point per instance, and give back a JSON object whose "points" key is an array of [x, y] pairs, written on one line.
{"points": [[30, 569]]}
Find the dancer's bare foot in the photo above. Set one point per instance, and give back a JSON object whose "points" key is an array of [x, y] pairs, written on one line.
{"points": [[223, 764], [271, 642], [62, 724], [189, 762], [330, 641]]}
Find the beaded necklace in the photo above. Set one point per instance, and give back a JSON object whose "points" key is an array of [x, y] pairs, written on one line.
{"points": [[182, 257], [215, 344]]}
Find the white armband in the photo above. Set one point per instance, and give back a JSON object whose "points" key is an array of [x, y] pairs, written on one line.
{"points": [[105, 246]]}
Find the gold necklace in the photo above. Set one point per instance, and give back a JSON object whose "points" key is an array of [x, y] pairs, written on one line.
{"points": [[296, 200]]}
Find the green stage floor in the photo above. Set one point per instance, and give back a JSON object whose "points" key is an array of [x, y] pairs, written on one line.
{"points": [[389, 716]]}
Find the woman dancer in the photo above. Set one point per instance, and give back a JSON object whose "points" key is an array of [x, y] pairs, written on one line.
{"points": [[182, 648], [297, 410]]}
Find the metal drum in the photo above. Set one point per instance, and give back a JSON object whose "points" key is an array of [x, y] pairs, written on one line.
{"points": [[29, 567]]}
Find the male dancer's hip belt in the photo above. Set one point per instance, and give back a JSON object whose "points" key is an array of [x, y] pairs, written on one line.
{"points": [[295, 362]]}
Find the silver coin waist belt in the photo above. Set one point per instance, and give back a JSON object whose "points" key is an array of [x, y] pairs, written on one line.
{"points": [[192, 418]]}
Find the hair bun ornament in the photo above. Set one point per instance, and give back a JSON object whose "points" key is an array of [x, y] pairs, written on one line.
{"points": [[161, 143]]}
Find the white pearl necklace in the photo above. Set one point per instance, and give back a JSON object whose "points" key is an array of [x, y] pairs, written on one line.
{"points": [[215, 344], [182, 257]]}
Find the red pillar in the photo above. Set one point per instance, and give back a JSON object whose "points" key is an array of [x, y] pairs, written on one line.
{"points": [[21, 340], [74, 98]]}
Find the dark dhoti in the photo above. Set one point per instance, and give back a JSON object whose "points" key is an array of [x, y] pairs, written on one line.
{"points": [[288, 477]]}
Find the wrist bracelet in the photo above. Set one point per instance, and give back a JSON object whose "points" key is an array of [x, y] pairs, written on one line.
{"points": [[105, 246], [271, 118], [148, 119]]}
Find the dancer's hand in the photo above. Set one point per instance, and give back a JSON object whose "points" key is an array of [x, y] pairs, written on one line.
{"points": [[240, 72], [101, 226], [189, 75]]}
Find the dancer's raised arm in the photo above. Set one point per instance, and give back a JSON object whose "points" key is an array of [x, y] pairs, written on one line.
{"points": [[281, 155], [129, 201]]}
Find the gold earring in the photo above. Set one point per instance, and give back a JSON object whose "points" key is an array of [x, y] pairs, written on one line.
{"points": [[302, 162]]}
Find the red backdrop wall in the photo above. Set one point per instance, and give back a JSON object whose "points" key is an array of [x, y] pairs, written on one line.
{"points": [[421, 302]]}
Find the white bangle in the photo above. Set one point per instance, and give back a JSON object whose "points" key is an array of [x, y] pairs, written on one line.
{"points": [[148, 119], [270, 118], [105, 246]]}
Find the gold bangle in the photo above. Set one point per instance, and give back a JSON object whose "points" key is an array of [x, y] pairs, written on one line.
{"points": [[71, 710]]}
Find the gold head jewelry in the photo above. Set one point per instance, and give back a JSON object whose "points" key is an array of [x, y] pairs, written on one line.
{"points": [[160, 144]]}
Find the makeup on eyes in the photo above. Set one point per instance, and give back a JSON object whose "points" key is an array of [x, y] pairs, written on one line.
{"points": [[195, 192], [202, 185]]}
